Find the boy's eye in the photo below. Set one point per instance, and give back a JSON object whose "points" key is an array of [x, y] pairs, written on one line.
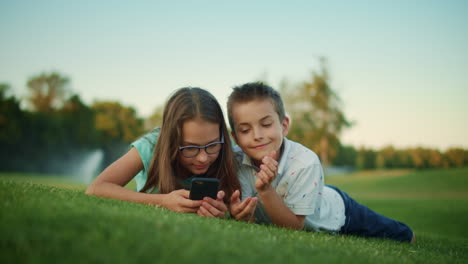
{"points": [[267, 125]]}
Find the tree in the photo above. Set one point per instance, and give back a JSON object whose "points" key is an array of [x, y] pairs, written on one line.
{"points": [[11, 129], [117, 125], [366, 159], [48, 91], [155, 120], [317, 118], [116, 122], [79, 121], [456, 157], [346, 156]]}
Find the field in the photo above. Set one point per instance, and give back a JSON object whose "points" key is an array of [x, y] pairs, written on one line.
{"points": [[49, 219]]}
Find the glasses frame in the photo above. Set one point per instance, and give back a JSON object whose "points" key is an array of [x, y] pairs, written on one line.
{"points": [[202, 147]]}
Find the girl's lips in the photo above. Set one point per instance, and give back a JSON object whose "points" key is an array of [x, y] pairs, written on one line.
{"points": [[200, 167]]}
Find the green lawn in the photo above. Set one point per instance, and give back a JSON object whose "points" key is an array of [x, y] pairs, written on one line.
{"points": [[49, 219]]}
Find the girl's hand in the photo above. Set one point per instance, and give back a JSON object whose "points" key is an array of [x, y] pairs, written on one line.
{"points": [[267, 172], [213, 208], [179, 201], [243, 211]]}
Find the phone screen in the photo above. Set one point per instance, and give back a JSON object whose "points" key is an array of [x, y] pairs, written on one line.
{"points": [[204, 187]]}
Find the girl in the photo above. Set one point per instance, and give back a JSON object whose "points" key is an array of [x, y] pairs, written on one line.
{"points": [[193, 141]]}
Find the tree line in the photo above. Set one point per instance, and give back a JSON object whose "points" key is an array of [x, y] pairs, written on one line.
{"points": [[56, 127], [318, 121], [51, 126]]}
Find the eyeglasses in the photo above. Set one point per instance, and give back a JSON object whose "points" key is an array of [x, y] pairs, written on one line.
{"points": [[192, 151]]}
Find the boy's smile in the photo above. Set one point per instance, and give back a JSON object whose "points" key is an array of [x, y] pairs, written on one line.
{"points": [[258, 130], [260, 146]]}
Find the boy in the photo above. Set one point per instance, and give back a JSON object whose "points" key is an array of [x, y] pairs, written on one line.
{"points": [[288, 178]]}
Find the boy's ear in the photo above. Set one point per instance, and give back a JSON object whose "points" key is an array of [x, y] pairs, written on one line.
{"points": [[234, 137], [285, 125]]}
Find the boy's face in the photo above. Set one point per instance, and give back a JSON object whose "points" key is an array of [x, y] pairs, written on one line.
{"points": [[258, 130]]}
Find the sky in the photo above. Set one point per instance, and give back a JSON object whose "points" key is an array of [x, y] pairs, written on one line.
{"points": [[399, 67]]}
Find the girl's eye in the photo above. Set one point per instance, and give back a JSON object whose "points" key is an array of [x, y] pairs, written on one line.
{"points": [[243, 131]]}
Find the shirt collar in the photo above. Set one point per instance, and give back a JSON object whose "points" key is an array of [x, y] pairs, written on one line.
{"points": [[284, 156]]}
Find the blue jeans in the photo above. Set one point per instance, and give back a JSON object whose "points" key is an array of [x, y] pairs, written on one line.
{"points": [[362, 221]]}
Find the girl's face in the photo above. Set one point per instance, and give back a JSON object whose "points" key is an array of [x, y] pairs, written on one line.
{"points": [[200, 133]]}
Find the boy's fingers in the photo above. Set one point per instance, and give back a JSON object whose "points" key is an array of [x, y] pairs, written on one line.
{"points": [[240, 207], [263, 177], [241, 215], [235, 197], [248, 210], [272, 154], [251, 207], [267, 170], [271, 166], [269, 160]]}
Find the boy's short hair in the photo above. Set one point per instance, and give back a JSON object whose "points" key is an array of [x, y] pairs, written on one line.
{"points": [[253, 91]]}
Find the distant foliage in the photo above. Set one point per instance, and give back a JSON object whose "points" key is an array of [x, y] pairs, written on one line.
{"points": [[60, 126], [155, 120], [47, 91], [117, 122], [390, 158], [316, 113]]}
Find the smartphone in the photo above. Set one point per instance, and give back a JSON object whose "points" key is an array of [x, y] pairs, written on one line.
{"points": [[204, 187]]}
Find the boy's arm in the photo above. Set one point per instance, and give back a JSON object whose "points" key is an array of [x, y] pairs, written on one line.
{"points": [[278, 212]]}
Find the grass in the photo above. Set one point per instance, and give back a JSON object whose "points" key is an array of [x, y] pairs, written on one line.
{"points": [[47, 219]]}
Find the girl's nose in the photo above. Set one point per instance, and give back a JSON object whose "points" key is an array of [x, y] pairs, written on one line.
{"points": [[202, 155]]}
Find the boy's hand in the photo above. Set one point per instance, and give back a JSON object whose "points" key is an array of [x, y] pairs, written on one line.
{"points": [[243, 211], [267, 172], [213, 208]]}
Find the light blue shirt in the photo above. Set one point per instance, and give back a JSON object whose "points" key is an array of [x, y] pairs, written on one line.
{"points": [[145, 148], [300, 183]]}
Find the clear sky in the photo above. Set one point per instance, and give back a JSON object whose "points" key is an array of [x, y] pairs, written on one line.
{"points": [[400, 67]]}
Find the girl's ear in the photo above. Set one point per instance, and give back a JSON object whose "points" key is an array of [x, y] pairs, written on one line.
{"points": [[234, 137], [285, 126]]}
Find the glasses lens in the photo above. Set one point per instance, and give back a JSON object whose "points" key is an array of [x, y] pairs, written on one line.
{"points": [[190, 152], [214, 148]]}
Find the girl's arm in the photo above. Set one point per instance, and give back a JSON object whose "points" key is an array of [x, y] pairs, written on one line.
{"points": [[110, 183]]}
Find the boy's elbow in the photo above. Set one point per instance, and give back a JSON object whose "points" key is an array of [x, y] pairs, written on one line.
{"points": [[300, 222], [295, 225], [298, 226], [91, 189]]}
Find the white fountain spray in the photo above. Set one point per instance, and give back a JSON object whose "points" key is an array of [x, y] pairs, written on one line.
{"points": [[89, 166]]}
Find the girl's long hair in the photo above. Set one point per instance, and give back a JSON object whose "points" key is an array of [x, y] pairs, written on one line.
{"points": [[185, 104]]}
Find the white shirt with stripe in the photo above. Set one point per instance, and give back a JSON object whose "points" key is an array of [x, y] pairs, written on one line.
{"points": [[300, 183]]}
